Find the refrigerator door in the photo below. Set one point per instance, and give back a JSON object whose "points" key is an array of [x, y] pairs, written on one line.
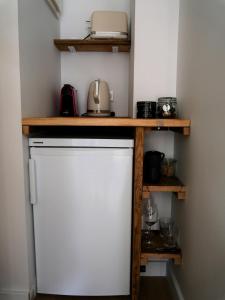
{"points": [[82, 220]]}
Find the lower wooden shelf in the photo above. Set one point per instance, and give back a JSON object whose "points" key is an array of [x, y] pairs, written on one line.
{"points": [[146, 257], [167, 184], [157, 251]]}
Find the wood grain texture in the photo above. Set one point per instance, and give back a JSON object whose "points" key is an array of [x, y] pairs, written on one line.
{"points": [[119, 122], [167, 184], [182, 195], [138, 178], [26, 130], [146, 257], [103, 45], [186, 131]]}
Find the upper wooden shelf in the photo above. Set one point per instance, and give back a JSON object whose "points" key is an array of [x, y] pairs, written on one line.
{"points": [[173, 124], [104, 45]]}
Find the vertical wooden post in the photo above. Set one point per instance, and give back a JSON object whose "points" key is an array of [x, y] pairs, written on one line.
{"points": [[138, 178], [26, 130]]}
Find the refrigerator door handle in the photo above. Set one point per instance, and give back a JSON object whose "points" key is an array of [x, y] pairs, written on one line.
{"points": [[33, 188]]}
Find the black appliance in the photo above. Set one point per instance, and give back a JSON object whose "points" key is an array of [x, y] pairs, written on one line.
{"points": [[68, 101], [146, 109], [152, 166]]}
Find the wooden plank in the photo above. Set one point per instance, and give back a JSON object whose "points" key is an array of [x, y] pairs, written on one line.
{"points": [[182, 195], [92, 121], [186, 131], [167, 184], [176, 257], [26, 130], [179, 195], [103, 45], [91, 42], [172, 189], [138, 178]]}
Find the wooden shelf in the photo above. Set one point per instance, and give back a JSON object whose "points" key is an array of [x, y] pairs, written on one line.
{"points": [[91, 45], [172, 124], [158, 251], [167, 184], [146, 257]]}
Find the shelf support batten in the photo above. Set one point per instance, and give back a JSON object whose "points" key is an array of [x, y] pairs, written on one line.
{"points": [[26, 130], [71, 49], [138, 178]]}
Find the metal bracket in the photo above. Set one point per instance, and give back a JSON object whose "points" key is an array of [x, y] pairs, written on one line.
{"points": [[72, 49], [115, 49]]}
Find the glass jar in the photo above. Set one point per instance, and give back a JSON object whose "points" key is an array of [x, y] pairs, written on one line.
{"points": [[167, 107], [168, 167]]}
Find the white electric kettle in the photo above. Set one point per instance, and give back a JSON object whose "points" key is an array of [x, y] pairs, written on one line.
{"points": [[98, 102]]}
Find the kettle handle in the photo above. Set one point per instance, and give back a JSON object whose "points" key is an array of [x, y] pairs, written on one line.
{"points": [[162, 156], [96, 91]]}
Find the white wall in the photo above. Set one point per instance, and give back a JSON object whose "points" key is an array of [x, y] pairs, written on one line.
{"points": [[201, 73], [30, 68], [154, 75], [13, 249], [80, 69], [155, 49], [39, 59], [40, 84], [131, 68]]}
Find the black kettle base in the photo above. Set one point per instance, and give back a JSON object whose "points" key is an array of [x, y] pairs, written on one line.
{"points": [[109, 115]]}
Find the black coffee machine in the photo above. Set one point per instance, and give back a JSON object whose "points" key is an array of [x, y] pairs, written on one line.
{"points": [[152, 166]]}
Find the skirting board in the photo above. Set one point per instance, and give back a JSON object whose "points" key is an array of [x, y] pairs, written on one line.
{"points": [[14, 295], [176, 290]]}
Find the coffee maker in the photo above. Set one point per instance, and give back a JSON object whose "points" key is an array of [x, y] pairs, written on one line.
{"points": [[152, 166]]}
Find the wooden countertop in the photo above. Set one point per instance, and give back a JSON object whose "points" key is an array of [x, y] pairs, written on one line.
{"points": [[99, 121], [175, 124]]}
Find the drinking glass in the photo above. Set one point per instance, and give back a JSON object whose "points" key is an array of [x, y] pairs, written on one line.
{"points": [[169, 232], [150, 218]]}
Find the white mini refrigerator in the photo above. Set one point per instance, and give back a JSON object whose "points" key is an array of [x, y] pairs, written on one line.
{"points": [[81, 192]]}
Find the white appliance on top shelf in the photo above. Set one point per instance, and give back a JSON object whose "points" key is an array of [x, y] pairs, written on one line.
{"points": [[81, 191], [109, 25]]}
